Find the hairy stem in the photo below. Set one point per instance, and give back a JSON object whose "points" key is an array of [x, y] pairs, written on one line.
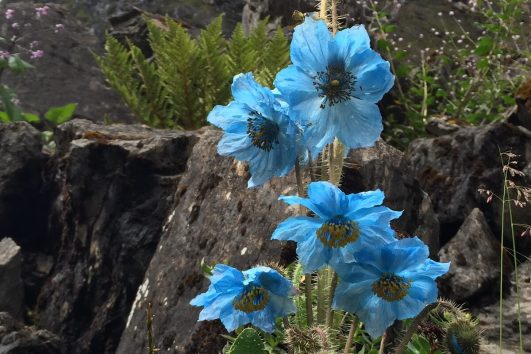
{"points": [[382, 343], [308, 292], [351, 335], [332, 291], [323, 9], [335, 23], [414, 325]]}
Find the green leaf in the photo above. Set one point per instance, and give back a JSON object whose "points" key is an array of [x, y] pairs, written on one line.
{"points": [[249, 341], [18, 65], [4, 117], [31, 118], [59, 115], [388, 28], [484, 46], [382, 44], [13, 112]]}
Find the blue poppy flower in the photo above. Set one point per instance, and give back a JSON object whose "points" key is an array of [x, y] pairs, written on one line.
{"points": [[333, 85], [256, 129], [343, 225], [256, 296], [388, 282]]}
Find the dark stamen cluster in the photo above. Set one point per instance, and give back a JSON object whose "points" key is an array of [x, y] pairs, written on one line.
{"points": [[262, 131], [391, 287], [338, 232], [335, 84], [253, 298]]}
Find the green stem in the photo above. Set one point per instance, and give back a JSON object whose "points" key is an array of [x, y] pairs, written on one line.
{"points": [[411, 330], [149, 324], [308, 291], [351, 335], [515, 274], [501, 254], [382, 343], [332, 291]]}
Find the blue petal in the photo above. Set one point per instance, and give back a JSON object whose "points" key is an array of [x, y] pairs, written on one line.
{"points": [[247, 91], [403, 255], [313, 255], [351, 297], [237, 145], [374, 80], [265, 320], [309, 46], [297, 228], [231, 118], [377, 315], [281, 305], [363, 200], [430, 268], [357, 272], [213, 311], [423, 291], [349, 42], [233, 319], [307, 203], [298, 90], [359, 123], [271, 280], [328, 198]]}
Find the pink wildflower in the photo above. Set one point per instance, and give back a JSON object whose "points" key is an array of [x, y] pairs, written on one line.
{"points": [[37, 54], [42, 11], [9, 14]]}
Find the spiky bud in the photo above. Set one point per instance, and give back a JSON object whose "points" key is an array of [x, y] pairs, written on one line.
{"points": [[462, 337], [309, 340]]}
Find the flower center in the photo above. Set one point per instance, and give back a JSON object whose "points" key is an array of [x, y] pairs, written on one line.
{"points": [[262, 131], [338, 232], [391, 287], [335, 84], [253, 298]]}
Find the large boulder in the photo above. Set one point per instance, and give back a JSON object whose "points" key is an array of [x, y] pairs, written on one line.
{"points": [[452, 168], [11, 286], [115, 187], [67, 72], [22, 196], [15, 338], [384, 167], [475, 256], [217, 219]]}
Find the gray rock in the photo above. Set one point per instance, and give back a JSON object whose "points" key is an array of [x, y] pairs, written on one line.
{"points": [[452, 168], [11, 286], [489, 316], [21, 183], [115, 186], [216, 218], [68, 72], [15, 338], [384, 167], [475, 256]]}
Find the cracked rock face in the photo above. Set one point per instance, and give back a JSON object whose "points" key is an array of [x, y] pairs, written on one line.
{"points": [[115, 187], [11, 286]]}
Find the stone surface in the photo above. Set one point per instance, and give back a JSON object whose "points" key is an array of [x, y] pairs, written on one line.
{"points": [[68, 72], [216, 218], [11, 286], [21, 183], [475, 256], [15, 338], [452, 168], [115, 186], [489, 317], [384, 167]]}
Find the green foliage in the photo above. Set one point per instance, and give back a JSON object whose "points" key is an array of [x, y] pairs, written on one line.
{"points": [[468, 80], [59, 115], [187, 77], [248, 341]]}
